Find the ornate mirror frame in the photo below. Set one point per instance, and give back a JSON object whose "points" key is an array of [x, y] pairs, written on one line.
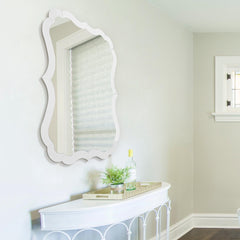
{"points": [[47, 79]]}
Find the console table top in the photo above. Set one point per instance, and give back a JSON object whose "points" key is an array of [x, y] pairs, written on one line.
{"points": [[83, 213]]}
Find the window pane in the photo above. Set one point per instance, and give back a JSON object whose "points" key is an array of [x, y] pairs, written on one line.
{"points": [[237, 84], [237, 102]]}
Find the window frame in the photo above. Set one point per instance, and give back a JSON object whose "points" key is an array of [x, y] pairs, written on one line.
{"points": [[222, 112]]}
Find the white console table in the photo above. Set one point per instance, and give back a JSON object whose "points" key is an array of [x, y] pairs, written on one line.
{"points": [[87, 215]]}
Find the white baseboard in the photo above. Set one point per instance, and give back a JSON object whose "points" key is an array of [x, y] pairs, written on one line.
{"points": [[202, 220], [178, 229], [205, 220]]}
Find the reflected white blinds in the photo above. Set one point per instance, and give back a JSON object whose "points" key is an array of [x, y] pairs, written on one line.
{"points": [[93, 126]]}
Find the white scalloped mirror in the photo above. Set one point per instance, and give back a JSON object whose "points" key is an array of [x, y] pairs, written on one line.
{"points": [[80, 120]]}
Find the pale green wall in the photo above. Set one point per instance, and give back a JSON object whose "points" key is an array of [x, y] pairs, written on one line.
{"points": [[216, 145]]}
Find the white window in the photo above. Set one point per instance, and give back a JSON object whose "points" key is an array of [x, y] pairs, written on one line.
{"points": [[227, 88]]}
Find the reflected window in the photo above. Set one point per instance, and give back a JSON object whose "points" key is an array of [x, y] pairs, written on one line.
{"points": [[90, 67], [84, 107]]}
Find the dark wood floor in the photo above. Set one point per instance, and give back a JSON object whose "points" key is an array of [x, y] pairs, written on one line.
{"points": [[212, 234]]}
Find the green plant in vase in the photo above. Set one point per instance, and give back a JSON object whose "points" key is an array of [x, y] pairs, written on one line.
{"points": [[116, 177]]}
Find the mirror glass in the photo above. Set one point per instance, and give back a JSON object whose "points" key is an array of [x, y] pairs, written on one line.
{"points": [[80, 120]]}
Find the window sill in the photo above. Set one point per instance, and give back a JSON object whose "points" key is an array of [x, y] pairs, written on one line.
{"points": [[227, 117]]}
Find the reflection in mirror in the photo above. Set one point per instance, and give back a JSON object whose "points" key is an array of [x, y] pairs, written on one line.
{"points": [[80, 120]]}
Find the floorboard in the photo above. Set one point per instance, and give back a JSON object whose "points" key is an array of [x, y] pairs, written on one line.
{"points": [[212, 234]]}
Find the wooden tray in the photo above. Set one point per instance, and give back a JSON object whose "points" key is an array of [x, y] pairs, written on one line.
{"points": [[107, 193]]}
